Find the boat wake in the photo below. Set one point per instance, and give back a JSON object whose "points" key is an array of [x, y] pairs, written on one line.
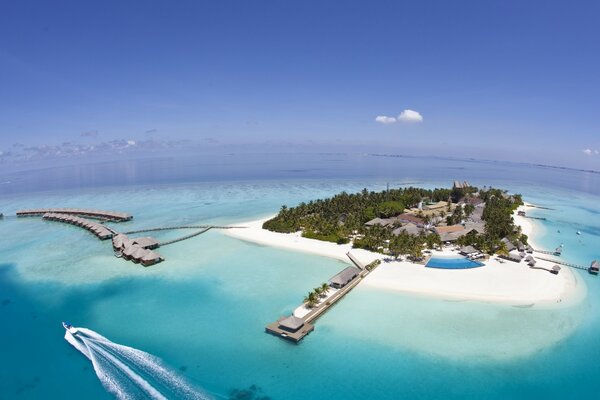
{"points": [[129, 373]]}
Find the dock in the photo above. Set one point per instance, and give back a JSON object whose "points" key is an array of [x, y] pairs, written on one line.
{"points": [[295, 329], [566, 264]]}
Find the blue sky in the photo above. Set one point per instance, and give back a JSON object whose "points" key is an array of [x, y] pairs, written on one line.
{"points": [[508, 80]]}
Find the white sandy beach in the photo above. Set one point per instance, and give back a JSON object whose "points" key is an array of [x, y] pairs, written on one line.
{"points": [[508, 282]]}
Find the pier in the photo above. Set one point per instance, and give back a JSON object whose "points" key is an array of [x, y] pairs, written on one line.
{"points": [[94, 214], [566, 264], [295, 329]]}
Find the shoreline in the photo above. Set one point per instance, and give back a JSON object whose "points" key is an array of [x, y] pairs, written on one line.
{"points": [[507, 282]]}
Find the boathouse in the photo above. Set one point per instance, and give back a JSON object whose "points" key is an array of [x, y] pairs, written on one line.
{"points": [[343, 278]]}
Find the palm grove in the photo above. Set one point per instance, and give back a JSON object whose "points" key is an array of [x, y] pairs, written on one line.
{"points": [[343, 216]]}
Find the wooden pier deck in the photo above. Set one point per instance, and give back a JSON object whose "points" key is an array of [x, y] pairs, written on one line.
{"points": [[185, 237], [308, 326], [95, 214], [274, 329], [566, 264]]}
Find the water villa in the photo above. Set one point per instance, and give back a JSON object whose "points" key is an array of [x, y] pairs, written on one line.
{"points": [[138, 250], [97, 229], [94, 214], [594, 267]]}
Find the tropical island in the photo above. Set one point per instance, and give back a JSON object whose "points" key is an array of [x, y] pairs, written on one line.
{"points": [[459, 243], [406, 221]]}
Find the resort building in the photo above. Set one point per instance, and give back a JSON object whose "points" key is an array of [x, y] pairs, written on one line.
{"points": [[514, 255], [406, 218], [461, 185], [380, 221], [409, 228], [509, 246], [343, 278], [291, 323], [450, 233], [439, 206]]}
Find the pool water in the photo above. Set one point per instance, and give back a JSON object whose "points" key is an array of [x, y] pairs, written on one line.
{"points": [[453, 263]]}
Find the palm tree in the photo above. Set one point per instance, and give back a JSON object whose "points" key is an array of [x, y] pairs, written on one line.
{"points": [[325, 288], [502, 250], [318, 291], [311, 299]]}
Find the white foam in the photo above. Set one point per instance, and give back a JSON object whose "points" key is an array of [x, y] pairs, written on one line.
{"points": [[120, 369]]}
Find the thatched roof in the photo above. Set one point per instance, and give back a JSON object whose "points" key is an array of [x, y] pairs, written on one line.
{"points": [[291, 323], [345, 276]]}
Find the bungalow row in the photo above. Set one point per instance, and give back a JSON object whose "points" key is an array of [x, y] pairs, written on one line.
{"points": [[97, 214], [137, 250], [97, 229]]}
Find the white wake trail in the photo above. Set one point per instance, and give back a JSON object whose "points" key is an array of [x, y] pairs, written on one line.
{"points": [[130, 373]]}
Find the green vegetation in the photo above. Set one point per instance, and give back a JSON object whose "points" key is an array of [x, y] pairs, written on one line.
{"points": [[336, 218], [342, 218], [312, 298], [499, 224]]}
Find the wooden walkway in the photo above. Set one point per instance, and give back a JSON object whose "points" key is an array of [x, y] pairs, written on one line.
{"points": [[168, 228], [566, 264], [184, 237], [308, 327]]}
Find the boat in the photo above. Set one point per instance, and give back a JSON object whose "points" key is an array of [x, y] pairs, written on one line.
{"points": [[70, 328], [579, 232]]}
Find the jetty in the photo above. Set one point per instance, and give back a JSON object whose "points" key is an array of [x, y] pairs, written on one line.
{"points": [[567, 264], [94, 214], [294, 328]]}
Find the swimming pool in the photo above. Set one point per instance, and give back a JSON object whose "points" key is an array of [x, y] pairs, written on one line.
{"points": [[453, 263]]}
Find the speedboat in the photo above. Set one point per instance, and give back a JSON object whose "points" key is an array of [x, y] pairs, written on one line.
{"points": [[579, 232], [69, 328]]}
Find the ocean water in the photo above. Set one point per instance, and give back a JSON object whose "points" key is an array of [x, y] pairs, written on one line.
{"points": [[204, 309]]}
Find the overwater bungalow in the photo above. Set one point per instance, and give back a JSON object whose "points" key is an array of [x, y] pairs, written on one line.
{"points": [[291, 323], [151, 258], [594, 267], [344, 277], [146, 242]]}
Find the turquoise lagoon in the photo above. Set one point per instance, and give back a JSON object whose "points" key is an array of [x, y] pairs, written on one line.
{"points": [[203, 311]]}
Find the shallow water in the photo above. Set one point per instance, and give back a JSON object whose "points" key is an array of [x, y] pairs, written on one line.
{"points": [[203, 311]]}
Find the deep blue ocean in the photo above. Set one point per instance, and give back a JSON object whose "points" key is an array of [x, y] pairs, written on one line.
{"points": [[203, 310]]}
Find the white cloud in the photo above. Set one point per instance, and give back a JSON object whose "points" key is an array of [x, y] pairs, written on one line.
{"points": [[382, 119], [410, 116], [590, 152]]}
